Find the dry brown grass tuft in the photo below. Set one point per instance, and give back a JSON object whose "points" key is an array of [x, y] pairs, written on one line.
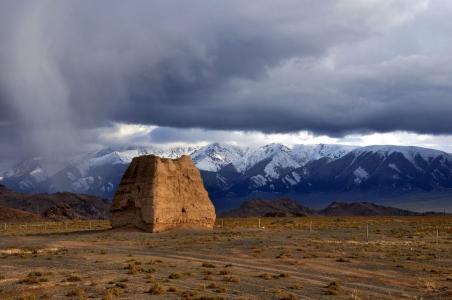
{"points": [[208, 277], [33, 278], [224, 272], [283, 275], [156, 289], [77, 292], [121, 285], [265, 276], [73, 279], [112, 293], [341, 259], [229, 278], [175, 276], [132, 268], [288, 296], [333, 288]]}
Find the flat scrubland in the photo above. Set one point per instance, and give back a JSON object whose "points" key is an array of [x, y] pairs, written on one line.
{"points": [[52, 227], [289, 258]]}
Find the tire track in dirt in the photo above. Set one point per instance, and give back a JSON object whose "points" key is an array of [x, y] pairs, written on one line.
{"points": [[315, 279], [319, 280]]}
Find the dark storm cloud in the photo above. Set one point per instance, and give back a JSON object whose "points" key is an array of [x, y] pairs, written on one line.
{"points": [[272, 66], [193, 135]]}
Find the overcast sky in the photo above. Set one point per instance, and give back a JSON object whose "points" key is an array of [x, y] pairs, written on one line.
{"points": [[79, 75]]}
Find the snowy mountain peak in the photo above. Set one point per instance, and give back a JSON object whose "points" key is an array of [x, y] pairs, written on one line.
{"points": [[103, 152], [305, 153], [280, 163], [269, 168], [409, 152], [274, 148], [215, 156], [23, 168], [255, 155]]}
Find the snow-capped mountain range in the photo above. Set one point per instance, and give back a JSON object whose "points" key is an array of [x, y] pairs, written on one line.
{"points": [[233, 173]]}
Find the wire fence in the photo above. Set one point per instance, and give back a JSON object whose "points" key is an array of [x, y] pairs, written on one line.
{"points": [[432, 228], [53, 227], [435, 228]]}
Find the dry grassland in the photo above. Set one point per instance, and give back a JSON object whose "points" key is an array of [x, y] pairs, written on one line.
{"points": [[288, 258]]}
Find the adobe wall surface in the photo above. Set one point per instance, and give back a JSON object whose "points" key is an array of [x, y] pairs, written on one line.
{"points": [[157, 194]]}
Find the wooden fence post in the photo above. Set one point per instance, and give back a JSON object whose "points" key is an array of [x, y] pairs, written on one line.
{"points": [[367, 231]]}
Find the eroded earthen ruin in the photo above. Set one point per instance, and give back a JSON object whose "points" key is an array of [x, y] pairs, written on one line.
{"points": [[157, 194]]}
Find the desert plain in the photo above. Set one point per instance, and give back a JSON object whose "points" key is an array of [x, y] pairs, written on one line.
{"points": [[284, 258]]}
